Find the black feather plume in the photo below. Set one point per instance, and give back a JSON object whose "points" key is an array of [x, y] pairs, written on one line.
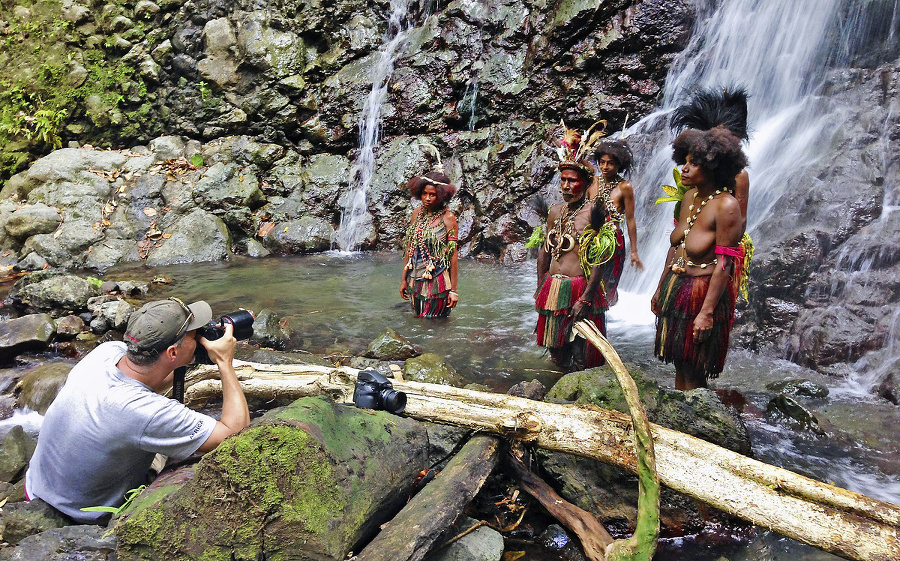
{"points": [[713, 107], [598, 215]]}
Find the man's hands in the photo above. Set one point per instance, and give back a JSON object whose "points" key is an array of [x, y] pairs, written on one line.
{"points": [[222, 349]]}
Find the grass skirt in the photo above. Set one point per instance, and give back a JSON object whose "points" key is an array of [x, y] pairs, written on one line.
{"points": [[680, 301], [554, 300], [429, 296]]}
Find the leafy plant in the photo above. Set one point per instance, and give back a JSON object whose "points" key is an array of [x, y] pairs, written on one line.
{"points": [[674, 193], [129, 498]]}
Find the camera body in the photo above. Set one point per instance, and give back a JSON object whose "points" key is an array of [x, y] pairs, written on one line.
{"points": [[373, 391], [242, 320]]}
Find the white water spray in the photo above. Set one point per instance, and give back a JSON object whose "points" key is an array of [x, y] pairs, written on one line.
{"points": [[355, 218]]}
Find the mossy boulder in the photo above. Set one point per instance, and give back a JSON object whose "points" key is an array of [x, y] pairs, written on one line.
{"points": [[612, 493], [309, 481], [390, 345], [432, 369]]}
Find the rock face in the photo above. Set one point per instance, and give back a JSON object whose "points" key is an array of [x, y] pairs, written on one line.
{"points": [[320, 477], [277, 96], [824, 282]]}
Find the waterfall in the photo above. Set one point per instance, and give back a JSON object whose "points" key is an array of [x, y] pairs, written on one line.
{"points": [[779, 51], [355, 218]]}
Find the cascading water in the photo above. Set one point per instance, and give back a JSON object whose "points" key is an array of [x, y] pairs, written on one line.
{"points": [[355, 218], [776, 50]]}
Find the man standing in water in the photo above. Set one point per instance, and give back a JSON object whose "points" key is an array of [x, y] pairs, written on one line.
{"points": [[568, 279], [102, 432]]}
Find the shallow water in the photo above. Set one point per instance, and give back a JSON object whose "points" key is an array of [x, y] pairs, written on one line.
{"points": [[338, 303]]}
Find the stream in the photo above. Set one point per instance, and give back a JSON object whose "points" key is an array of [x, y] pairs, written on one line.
{"points": [[339, 302]]}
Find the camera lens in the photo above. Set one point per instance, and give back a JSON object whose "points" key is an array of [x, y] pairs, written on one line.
{"points": [[394, 401]]}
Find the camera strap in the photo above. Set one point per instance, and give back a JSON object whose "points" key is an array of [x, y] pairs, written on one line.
{"points": [[178, 384]]}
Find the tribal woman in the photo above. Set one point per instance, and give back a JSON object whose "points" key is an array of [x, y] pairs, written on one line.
{"points": [[694, 302], [430, 256], [616, 194]]}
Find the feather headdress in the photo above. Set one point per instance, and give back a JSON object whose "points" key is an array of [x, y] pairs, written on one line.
{"points": [[713, 107], [432, 151], [575, 148]]}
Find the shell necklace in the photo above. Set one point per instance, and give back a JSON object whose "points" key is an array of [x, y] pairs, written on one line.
{"points": [[680, 264], [561, 238], [603, 191]]}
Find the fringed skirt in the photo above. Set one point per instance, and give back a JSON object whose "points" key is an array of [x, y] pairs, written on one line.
{"points": [[611, 271], [554, 300], [429, 296], [680, 301]]}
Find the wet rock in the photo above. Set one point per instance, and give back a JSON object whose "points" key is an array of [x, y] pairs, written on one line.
{"points": [[805, 388], [31, 262], [53, 291], [40, 385], [482, 544], [27, 333], [557, 542], [390, 345], [113, 310], [529, 390], [16, 450], [432, 369], [68, 327], [887, 389], [611, 493], [270, 331], [42, 531], [8, 406], [791, 409]]}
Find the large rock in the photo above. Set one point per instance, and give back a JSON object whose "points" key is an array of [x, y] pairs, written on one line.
{"points": [[16, 449], [390, 345], [45, 534], [610, 492], [318, 477], [41, 384], [53, 291], [432, 369], [27, 333], [197, 237]]}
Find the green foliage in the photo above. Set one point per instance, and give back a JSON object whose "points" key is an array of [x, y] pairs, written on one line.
{"points": [[674, 193], [129, 497], [205, 92], [197, 159], [536, 238], [38, 96]]}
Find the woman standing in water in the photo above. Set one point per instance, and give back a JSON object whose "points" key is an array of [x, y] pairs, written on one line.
{"points": [[430, 254], [616, 195], [694, 302]]}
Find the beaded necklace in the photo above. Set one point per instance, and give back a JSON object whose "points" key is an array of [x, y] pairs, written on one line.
{"points": [[416, 240], [604, 190], [561, 238], [680, 264]]}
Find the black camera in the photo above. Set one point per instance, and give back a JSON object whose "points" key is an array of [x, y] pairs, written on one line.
{"points": [[242, 320], [374, 391]]}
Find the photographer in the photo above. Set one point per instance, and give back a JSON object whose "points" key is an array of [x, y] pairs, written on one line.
{"points": [[101, 433]]}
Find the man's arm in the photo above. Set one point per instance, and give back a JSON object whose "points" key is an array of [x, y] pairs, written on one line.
{"points": [[235, 412]]}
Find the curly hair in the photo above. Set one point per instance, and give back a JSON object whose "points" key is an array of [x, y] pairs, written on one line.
{"points": [[717, 151], [618, 150], [440, 182]]}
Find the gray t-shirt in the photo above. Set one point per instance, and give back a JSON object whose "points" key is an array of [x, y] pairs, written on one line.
{"points": [[100, 435]]}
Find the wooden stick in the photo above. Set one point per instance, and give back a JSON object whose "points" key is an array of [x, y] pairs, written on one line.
{"points": [[412, 532]]}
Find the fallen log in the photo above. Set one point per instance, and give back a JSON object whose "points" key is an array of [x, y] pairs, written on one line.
{"points": [[836, 520], [412, 532]]}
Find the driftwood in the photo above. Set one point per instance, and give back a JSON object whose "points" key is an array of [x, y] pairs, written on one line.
{"points": [[833, 519], [412, 532], [590, 531]]}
